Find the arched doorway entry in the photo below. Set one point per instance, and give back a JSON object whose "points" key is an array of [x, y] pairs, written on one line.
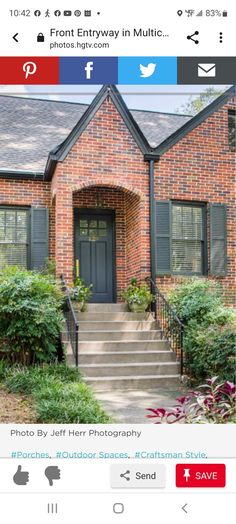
{"points": [[107, 239]]}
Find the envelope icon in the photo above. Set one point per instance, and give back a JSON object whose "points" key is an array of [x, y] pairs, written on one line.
{"points": [[206, 70]]}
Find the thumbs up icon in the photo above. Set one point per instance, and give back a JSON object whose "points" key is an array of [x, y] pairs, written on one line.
{"points": [[21, 477]]}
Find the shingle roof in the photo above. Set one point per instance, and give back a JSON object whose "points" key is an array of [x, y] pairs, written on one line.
{"points": [[30, 128]]}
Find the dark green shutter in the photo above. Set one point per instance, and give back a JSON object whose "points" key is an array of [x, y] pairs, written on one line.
{"points": [[39, 237], [218, 235], [163, 228]]}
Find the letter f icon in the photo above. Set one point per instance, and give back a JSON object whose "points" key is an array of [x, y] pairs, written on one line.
{"points": [[88, 69]]}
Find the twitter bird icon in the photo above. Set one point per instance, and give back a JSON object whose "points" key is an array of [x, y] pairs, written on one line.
{"points": [[148, 70]]}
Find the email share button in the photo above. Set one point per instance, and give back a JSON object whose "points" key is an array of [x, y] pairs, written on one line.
{"points": [[207, 70]]}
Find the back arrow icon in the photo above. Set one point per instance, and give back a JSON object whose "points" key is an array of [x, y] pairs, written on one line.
{"points": [[184, 508], [14, 37]]}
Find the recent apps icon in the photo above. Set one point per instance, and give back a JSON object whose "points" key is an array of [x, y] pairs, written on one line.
{"points": [[148, 70]]}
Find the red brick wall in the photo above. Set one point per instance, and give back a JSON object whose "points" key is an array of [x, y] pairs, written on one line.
{"points": [[105, 155], [200, 167]]}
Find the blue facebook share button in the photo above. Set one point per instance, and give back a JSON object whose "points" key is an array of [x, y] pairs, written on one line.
{"points": [[89, 70], [147, 70]]}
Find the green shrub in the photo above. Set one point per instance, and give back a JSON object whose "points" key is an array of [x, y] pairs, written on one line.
{"points": [[210, 350], [58, 393], [30, 316], [72, 403], [210, 329]]}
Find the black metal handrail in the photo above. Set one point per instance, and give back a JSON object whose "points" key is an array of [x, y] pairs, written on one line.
{"points": [[171, 326], [71, 321]]}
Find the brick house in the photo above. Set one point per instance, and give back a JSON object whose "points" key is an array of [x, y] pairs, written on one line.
{"points": [[111, 193]]}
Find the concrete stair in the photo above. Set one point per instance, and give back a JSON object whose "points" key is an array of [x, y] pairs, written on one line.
{"points": [[123, 350]]}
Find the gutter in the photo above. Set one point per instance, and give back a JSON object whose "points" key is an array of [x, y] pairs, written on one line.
{"points": [[21, 175], [152, 225]]}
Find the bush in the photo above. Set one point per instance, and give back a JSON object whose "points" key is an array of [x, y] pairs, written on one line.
{"points": [[210, 350], [58, 393], [72, 403], [195, 298], [210, 329], [30, 316], [212, 402]]}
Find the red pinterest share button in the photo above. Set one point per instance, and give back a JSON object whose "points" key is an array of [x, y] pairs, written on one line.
{"points": [[200, 475], [29, 70]]}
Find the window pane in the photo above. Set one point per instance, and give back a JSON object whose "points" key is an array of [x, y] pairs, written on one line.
{"points": [[13, 255], [21, 235], [21, 219], [13, 237], [187, 256], [187, 238], [232, 129], [10, 235]]}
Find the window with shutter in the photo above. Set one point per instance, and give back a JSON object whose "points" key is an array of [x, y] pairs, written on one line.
{"points": [[232, 129], [14, 237], [187, 242]]}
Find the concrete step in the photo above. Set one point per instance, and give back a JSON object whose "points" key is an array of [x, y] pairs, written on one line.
{"points": [[119, 335], [127, 345], [123, 357], [136, 382], [107, 308], [126, 325], [113, 316], [130, 369]]}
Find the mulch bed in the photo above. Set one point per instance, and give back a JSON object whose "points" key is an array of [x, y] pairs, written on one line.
{"points": [[15, 409]]}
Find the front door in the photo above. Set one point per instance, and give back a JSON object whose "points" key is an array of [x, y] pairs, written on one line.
{"points": [[94, 252]]}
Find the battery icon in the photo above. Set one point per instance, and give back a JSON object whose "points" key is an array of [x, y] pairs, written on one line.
{"points": [[224, 13]]}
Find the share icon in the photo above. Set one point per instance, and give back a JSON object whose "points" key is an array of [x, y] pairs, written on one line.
{"points": [[190, 37]]}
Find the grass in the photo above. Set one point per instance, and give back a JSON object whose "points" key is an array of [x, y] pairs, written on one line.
{"points": [[59, 394]]}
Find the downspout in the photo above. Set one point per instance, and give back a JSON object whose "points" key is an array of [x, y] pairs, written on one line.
{"points": [[152, 228]]}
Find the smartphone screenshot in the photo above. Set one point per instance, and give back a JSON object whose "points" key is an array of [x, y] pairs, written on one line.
{"points": [[117, 262]]}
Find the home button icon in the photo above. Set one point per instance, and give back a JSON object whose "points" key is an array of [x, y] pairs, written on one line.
{"points": [[118, 508]]}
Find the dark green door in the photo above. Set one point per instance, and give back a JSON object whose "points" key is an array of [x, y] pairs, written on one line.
{"points": [[94, 253]]}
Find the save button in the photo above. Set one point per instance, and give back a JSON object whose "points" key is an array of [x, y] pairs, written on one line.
{"points": [[200, 475]]}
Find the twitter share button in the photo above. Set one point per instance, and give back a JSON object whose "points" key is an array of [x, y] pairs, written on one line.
{"points": [[147, 70]]}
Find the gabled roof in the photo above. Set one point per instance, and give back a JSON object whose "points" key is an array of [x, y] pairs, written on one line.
{"points": [[194, 122], [30, 128]]}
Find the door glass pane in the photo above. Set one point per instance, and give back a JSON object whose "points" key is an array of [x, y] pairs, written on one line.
{"points": [[93, 223], [102, 224], [102, 232], [83, 223], [83, 232]]}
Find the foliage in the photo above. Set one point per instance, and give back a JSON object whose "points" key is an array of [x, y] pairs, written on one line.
{"points": [[81, 293], [195, 105], [30, 316], [210, 349], [212, 403], [210, 329], [137, 293], [49, 267], [59, 395], [195, 298]]}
